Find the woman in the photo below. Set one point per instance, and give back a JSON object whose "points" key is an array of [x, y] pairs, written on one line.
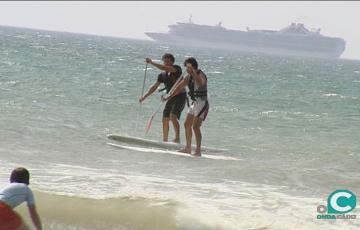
{"points": [[196, 81]]}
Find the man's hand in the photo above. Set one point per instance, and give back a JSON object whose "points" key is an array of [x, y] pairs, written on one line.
{"points": [[141, 99], [148, 60]]}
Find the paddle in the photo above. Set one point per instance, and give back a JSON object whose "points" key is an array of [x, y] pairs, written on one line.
{"points": [[149, 123], [142, 93]]}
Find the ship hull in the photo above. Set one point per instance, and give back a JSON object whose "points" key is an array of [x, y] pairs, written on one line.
{"points": [[270, 44]]}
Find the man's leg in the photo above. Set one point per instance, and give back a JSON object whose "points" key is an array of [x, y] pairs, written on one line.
{"points": [[196, 127], [176, 125], [175, 114], [188, 133], [165, 122]]}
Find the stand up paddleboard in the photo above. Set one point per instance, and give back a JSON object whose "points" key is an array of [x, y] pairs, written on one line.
{"points": [[156, 144], [152, 150]]}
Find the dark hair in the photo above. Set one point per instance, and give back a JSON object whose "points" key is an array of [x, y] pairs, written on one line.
{"points": [[168, 55], [191, 61], [20, 175]]}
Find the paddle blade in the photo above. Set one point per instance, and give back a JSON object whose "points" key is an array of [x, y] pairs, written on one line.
{"points": [[148, 126]]}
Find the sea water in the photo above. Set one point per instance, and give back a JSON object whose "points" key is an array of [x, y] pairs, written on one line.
{"points": [[293, 122]]}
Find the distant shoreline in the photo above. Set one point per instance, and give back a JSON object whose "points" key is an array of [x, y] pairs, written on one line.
{"points": [[77, 33]]}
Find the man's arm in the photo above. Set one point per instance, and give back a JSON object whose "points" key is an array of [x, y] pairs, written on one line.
{"points": [[35, 217], [150, 91], [170, 69]]}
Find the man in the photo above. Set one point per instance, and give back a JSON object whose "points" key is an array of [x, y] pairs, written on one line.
{"points": [[173, 108], [12, 196], [196, 81]]}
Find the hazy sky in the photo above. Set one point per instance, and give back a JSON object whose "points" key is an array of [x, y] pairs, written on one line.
{"points": [[131, 19]]}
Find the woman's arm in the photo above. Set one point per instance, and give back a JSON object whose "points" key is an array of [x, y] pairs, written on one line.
{"points": [[182, 84], [199, 78]]}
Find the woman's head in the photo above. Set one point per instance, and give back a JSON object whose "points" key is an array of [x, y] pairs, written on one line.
{"points": [[20, 175], [190, 63]]}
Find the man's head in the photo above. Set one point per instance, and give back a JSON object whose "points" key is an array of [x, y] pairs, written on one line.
{"points": [[168, 59], [20, 175], [190, 62]]}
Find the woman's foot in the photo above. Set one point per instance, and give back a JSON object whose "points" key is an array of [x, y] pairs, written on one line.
{"points": [[185, 150], [176, 140], [197, 153]]}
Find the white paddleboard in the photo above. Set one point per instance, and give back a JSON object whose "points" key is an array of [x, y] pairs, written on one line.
{"points": [[152, 150], [157, 144]]}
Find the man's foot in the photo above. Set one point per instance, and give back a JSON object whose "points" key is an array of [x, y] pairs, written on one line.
{"points": [[185, 150]]}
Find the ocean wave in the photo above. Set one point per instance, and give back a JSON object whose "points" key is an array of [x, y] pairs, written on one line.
{"points": [[339, 96], [215, 72], [73, 212], [262, 207]]}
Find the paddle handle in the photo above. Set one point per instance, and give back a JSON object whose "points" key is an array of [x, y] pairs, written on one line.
{"points": [[174, 86], [143, 86]]}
